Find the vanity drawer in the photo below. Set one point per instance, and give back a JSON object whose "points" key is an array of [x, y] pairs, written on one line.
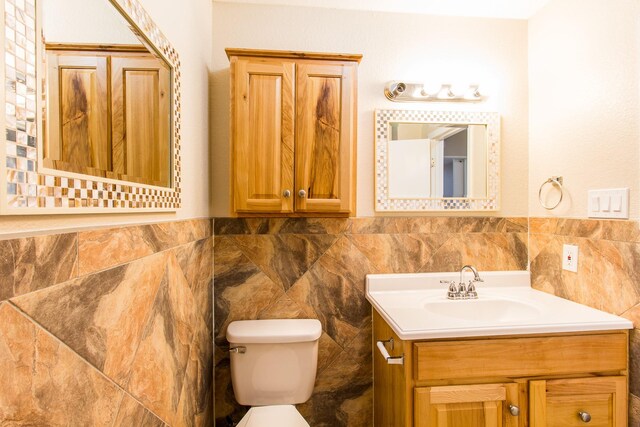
{"points": [[599, 401], [520, 357]]}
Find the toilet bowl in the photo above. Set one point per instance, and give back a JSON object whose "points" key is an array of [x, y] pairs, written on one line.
{"points": [[274, 415], [273, 367]]}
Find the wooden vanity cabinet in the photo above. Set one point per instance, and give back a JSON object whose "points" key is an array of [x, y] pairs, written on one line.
{"points": [[512, 381], [293, 132]]}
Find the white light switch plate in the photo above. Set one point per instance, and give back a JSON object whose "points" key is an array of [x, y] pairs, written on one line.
{"points": [[570, 258], [609, 203]]}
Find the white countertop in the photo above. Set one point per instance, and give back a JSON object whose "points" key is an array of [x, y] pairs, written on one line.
{"points": [[416, 307]]}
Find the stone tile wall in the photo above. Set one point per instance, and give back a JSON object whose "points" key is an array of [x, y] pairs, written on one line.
{"points": [[88, 320], [111, 327], [608, 276], [315, 268]]}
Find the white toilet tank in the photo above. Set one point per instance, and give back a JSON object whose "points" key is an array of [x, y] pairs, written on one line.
{"points": [[279, 362]]}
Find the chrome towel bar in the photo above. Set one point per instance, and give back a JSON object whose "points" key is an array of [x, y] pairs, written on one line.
{"points": [[391, 360]]}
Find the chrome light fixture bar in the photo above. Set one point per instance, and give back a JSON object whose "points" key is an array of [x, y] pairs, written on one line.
{"points": [[416, 92]]}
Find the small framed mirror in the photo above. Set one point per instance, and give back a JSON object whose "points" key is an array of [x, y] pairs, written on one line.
{"points": [[92, 109], [437, 160]]}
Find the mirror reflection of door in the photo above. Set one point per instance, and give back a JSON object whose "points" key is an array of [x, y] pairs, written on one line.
{"points": [[455, 162], [431, 160], [108, 106]]}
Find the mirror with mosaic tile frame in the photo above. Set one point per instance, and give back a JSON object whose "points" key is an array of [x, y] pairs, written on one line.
{"points": [[37, 177], [437, 161]]}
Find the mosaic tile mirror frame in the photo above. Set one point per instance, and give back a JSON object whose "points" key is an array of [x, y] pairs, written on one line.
{"points": [[388, 200], [26, 187]]}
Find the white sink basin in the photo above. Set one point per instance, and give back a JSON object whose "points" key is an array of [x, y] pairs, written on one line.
{"points": [[416, 307], [483, 310]]}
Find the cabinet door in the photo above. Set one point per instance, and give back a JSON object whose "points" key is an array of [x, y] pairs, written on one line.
{"points": [[602, 401], [262, 133], [140, 113], [483, 405], [325, 137], [77, 129]]}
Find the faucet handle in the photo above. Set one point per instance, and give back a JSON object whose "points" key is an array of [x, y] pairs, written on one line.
{"points": [[471, 290], [452, 292], [462, 290]]}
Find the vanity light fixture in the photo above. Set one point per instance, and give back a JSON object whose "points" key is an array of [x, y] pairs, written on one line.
{"points": [[417, 92]]}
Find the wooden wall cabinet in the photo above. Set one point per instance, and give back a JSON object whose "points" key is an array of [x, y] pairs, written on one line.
{"points": [[293, 132], [521, 381], [108, 113]]}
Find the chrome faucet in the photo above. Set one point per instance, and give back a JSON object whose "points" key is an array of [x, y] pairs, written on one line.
{"points": [[476, 276], [462, 291], [470, 291]]}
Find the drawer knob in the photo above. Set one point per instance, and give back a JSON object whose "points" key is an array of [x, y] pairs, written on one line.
{"points": [[514, 410], [584, 416]]}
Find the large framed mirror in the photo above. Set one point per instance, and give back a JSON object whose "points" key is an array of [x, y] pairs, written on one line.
{"points": [[92, 109], [437, 160]]}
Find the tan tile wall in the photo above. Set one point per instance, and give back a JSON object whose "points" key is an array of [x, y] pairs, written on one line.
{"points": [[608, 276], [315, 268], [89, 319], [108, 327]]}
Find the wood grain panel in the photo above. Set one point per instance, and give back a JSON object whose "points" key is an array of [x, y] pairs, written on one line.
{"points": [[325, 123], [141, 112], [109, 113], [392, 385], [291, 54], [465, 394], [78, 129], [324, 159], [521, 357], [557, 403], [480, 405], [262, 134]]}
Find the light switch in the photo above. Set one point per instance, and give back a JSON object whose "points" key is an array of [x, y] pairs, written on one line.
{"points": [[609, 203], [616, 203]]}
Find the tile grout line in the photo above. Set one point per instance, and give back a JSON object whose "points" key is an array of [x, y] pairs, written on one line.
{"points": [[529, 245], [144, 329], [119, 408], [137, 259], [101, 271], [85, 361], [193, 338], [433, 254], [77, 255]]}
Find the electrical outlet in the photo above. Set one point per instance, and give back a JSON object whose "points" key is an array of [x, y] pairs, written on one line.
{"points": [[570, 258]]}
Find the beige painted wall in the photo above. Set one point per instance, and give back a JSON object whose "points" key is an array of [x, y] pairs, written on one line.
{"points": [[189, 30], [492, 52], [584, 73], [79, 21]]}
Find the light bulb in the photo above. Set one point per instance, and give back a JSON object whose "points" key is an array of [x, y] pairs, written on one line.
{"points": [[445, 92], [430, 89], [457, 90], [473, 92]]}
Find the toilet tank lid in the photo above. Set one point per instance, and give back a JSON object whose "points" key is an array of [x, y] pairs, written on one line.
{"points": [[273, 331]]}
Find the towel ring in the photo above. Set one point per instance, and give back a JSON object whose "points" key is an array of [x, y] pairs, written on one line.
{"points": [[554, 180]]}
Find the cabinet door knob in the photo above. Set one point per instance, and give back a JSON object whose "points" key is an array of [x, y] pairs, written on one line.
{"points": [[584, 416], [302, 193], [286, 193], [514, 410]]}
